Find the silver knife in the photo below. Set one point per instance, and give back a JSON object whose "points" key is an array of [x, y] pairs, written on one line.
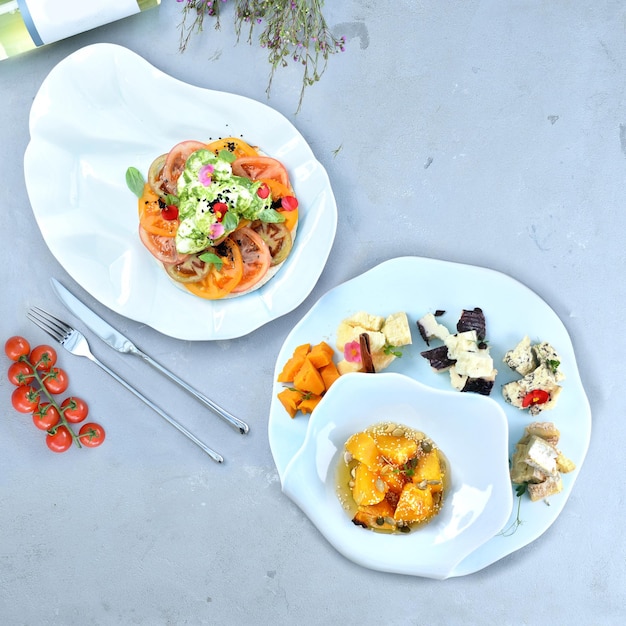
{"points": [[119, 342]]}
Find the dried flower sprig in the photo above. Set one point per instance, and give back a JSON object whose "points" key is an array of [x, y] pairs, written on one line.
{"points": [[292, 31]]}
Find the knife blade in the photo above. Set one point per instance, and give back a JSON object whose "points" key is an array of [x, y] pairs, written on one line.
{"points": [[116, 340]]}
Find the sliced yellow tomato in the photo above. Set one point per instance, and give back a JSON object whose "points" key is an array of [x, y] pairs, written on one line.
{"points": [[219, 283], [291, 218], [277, 189], [237, 146], [150, 217]]}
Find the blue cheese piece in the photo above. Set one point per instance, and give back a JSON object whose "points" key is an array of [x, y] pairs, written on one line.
{"points": [[522, 358]]}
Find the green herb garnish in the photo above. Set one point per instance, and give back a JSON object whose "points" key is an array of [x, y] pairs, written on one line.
{"points": [[135, 181], [213, 259]]}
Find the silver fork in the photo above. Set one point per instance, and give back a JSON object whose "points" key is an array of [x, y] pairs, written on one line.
{"points": [[74, 342]]}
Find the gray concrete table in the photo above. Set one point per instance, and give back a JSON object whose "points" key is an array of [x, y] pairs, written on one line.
{"points": [[482, 132]]}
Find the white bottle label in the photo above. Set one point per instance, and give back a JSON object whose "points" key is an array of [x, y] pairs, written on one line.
{"points": [[53, 20]]}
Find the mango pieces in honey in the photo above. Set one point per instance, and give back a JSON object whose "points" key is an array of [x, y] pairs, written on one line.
{"points": [[396, 478]]}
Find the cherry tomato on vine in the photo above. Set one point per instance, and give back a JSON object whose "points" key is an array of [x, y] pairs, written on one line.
{"points": [[20, 373], [43, 357], [46, 416], [60, 441], [74, 409], [56, 380], [91, 435], [15, 347], [25, 399]]}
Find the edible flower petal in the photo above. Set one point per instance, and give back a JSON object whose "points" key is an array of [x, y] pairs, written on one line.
{"points": [[263, 191], [216, 230], [204, 175], [219, 209], [352, 352], [289, 203], [537, 396]]}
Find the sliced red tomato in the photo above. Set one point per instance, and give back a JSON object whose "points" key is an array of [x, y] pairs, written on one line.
{"points": [[277, 237], [237, 146], [175, 163], [256, 257], [162, 248], [219, 283], [261, 168], [151, 215]]}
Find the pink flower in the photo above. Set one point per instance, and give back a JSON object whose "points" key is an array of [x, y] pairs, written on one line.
{"points": [[204, 175], [216, 231], [352, 352]]}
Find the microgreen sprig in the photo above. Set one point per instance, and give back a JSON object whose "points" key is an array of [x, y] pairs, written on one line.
{"points": [[520, 490]]}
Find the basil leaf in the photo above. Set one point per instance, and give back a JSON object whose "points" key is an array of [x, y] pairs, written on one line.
{"points": [[230, 221], [226, 155], [135, 181], [213, 259], [271, 216], [170, 199]]}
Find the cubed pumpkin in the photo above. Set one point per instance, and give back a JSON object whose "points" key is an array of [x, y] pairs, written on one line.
{"points": [[290, 399], [309, 379], [309, 402], [321, 354], [294, 363], [329, 374]]}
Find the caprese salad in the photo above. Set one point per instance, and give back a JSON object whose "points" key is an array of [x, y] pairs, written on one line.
{"points": [[221, 216]]}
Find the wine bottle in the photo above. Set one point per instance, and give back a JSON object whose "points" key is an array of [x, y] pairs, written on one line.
{"points": [[27, 24]]}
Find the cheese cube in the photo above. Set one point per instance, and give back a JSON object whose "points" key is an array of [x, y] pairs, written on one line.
{"points": [[396, 330], [521, 358], [461, 342], [366, 320], [474, 364], [432, 328], [541, 455]]}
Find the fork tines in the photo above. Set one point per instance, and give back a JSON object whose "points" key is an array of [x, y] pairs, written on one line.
{"points": [[55, 327]]}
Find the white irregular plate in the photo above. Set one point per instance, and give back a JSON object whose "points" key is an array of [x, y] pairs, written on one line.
{"points": [[478, 497], [418, 286], [105, 108]]}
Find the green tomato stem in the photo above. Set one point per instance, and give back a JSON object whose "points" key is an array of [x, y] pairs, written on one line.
{"points": [[64, 422]]}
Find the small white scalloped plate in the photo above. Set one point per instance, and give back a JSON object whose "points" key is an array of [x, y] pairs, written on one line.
{"points": [[478, 499], [103, 109], [417, 286]]}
